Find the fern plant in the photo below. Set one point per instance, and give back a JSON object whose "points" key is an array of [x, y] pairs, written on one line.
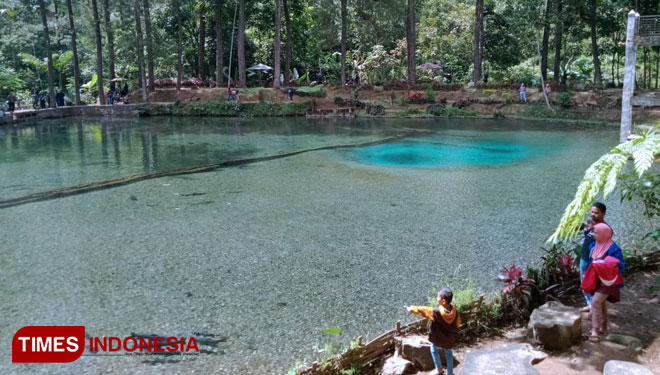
{"points": [[602, 176]]}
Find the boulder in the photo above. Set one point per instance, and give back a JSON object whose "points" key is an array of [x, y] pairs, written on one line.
{"points": [[417, 349], [625, 340], [515, 359], [396, 365], [556, 326], [622, 367]]}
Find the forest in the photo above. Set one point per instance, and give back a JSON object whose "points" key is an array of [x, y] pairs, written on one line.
{"points": [[80, 45]]}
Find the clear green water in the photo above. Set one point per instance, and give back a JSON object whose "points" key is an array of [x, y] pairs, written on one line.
{"points": [[268, 253]]}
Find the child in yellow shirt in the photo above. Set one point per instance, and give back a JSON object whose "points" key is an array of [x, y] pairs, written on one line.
{"points": [[444, 328]]}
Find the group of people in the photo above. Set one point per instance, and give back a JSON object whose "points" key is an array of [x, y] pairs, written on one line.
{"points": [[115, 95], [523, 91], [601, 269], [41, 99]]}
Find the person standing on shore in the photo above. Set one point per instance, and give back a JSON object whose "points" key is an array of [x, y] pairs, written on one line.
{"points": [[523, 93], [11, 101], [443, 333]]}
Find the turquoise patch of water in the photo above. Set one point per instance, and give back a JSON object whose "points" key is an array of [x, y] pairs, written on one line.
{"points": [[430, 154]]}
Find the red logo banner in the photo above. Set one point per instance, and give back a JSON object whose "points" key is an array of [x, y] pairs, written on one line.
{"points": [[55, 344]]}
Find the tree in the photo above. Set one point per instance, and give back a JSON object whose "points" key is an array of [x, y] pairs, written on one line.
{"points": [[140, 52], [289, 43], [99, 52], [278, 44], [74, 48], [344, 25], [51, 69], [559, 26], [545, 43], [110, 36], [179, 45], [219, 66], [478, 40], [202, 40], [242, 80], [149, 41], [410, 42], [594, 43]]}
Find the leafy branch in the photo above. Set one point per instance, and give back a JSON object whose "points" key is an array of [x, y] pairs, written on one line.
{"points": [[602, 175]]}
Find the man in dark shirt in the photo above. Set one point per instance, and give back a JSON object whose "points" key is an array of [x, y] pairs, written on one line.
{"points": [[598, 211]]}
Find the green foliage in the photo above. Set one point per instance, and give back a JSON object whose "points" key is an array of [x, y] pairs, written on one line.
{"points": [[410, 112], [355, 93], [376, 110], [355, 369], [489, 91], [311, 91], [644, 188], [339, 100], [602, 176], [332, 331], [443, 111], [223, 109], [430, 95], [565, 99]]}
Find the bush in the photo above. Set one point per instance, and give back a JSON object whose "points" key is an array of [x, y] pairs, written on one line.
{"points": [[489, 91], [408, 112], [418, 98], [436, 109], [517, 294], [367, 86], [339, 100], [441, 110], [430, 95], [355, 93], [312, 91], [565, 99], [376, 110]]}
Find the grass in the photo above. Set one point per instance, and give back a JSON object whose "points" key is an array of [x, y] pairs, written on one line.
{"points": [[311, 91]]}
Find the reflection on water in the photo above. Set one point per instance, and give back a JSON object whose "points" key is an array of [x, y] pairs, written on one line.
{"points": [[68, 152]]}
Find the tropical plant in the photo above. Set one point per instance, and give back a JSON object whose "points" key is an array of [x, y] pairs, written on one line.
{"points": [[518, 292], [602, 176]]}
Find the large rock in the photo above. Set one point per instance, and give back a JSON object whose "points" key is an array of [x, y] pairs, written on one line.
{"points": [[556, 326], [514, 359], [396, 365], [622, 367], [417, 349]]}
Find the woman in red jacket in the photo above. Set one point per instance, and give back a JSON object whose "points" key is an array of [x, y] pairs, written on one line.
{"points": [[603, 278]]}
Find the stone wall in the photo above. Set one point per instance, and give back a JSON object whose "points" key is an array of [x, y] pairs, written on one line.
{"points": [[127, 110]]}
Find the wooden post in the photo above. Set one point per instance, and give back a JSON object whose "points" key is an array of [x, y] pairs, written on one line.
{"points": [[397, 327], [628, 77]]}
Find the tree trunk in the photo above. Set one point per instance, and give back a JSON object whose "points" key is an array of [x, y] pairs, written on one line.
{"points": [[51, 70], [202, 41], [344, 26], [478, 40], [594, 44], [219, 64], [278, 44], [149, 40], [242, 80], [545, 44], [179, 46], [289, 43], [140, 52], [410, 34], [657, 65], [99, 52], [558, 35], [111, 40], [76, 67]]}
